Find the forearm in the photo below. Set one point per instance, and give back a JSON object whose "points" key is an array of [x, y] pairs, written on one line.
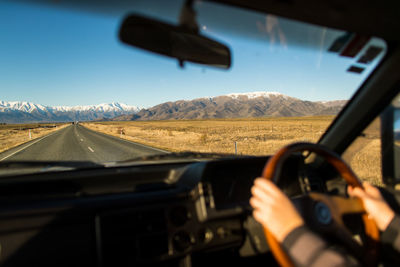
{"points": [[307, 249], [391, 236]]}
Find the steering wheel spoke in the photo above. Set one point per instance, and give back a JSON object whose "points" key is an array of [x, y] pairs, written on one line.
{"points": [[338, 205]]}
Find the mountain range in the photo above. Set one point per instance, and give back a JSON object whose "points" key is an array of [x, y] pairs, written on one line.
{"points": [[244, 105], [24, 112], [241, 105]]}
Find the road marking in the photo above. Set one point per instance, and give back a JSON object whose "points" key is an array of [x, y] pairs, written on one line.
{"points": [[128, 141], [19, 150], [90, 149]]}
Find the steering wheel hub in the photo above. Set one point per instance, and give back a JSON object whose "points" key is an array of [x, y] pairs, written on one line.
{"points": [[322, 213]]}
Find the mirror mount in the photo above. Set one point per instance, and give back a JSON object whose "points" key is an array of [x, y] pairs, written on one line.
{"points": [[183, 42], [187, 17], [188, 21]]}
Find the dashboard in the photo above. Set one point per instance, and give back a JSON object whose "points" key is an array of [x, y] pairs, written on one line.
{"points": [[132, 215]]}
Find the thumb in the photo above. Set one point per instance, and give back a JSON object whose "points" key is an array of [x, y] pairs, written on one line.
{"points": [[371, 190], [357, 192]]}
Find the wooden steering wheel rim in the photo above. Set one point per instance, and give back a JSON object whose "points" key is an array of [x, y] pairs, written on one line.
{"points": [[272, 172]]}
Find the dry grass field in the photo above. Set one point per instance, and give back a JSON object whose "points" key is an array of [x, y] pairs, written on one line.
{"points": [[260, 136], [364, 154], [12, 135]]}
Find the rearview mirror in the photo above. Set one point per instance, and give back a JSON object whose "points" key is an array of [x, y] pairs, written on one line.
{"points": [[173, 41]]}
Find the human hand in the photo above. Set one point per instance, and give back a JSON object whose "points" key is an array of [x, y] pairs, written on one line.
{"points": [[273, 209], [374, 204]]}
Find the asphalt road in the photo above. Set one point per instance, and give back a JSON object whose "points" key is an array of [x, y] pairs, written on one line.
{"points": [[77, 143]]}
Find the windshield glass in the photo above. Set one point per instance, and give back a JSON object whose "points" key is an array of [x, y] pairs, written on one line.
{"points": [[72, 91]]}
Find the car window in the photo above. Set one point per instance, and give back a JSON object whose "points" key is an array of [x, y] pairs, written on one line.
{"points": [[72, 91], [364, 154]]}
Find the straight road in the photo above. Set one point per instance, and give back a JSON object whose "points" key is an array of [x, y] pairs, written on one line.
{"points": [[77, 143]]}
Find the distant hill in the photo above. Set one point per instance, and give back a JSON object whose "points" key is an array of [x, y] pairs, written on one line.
{"points": [[246, 105], [24, 112], [255, 104]]}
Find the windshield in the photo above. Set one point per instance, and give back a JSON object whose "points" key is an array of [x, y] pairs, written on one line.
{"points": [[72, 91]]}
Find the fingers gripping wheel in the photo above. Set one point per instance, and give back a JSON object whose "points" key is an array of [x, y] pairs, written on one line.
{"points": [[337, 205]]}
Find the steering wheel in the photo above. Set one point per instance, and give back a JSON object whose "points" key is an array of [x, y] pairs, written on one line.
{"points": [[324, 211]]}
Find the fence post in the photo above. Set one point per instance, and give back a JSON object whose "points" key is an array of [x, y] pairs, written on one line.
{"points": [[235, 148], [30, 135]]}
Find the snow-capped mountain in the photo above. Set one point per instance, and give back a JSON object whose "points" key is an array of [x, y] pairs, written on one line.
{"points": [[22, 112], [20, 105], [238, 105], [256, 94], [100, 108], [235, 105]]}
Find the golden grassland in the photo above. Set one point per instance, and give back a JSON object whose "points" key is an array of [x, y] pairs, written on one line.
{"points": [[364, 154], [12, 135], [255, 136]]}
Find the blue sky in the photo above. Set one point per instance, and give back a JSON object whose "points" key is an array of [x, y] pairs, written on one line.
{"points": [[55, 56]]}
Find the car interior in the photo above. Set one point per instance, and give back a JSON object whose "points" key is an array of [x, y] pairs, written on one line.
{"points": [[196, 211]]}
